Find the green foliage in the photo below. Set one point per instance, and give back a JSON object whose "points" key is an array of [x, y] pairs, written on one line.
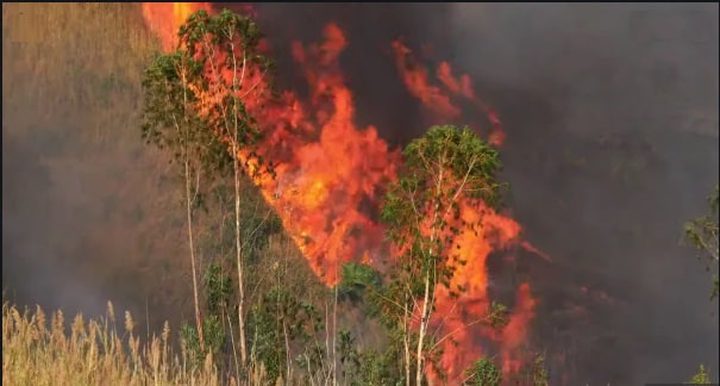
{"points": [[498, 315], [266, 342], [214, 332], [444, 166], [195, 113], [221, 44], [278, 320], [190, 342], [484, 373], [257, 223], [540, 376], [226, 30], [421, 209], [356, 278], [174, 83], [169, 120], [218, 287], [366, 368], [348, 352], [702, 234], [458, 153], [172, 123], [702, 377], [362, 286]]}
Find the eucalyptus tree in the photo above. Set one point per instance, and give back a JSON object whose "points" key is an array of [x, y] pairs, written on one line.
{"points": [[422, 211], [171, 123], [195, 107], [226, 45]]}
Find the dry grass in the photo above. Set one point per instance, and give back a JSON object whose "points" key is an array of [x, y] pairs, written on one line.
{"points": [[72, 105], [37, 351], [92, 352], [50, 350]]}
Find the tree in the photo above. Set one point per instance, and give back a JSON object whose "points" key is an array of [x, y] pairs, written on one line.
{"points": [[171, 122], [226, 45], [539, 373], [200, 91], [443, 168], [484, 373], [702, 234]]}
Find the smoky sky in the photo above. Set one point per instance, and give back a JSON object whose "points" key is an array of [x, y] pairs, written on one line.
{"points": [[611, 116], [612, 125], [612, 143], [367, 62], [85, 216]]}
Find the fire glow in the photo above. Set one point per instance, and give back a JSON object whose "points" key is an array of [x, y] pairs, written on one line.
{"points": [[328, 170]]}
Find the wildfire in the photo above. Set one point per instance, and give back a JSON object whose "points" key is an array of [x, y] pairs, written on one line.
{"points": [[461, 322], [166, 18], [327, 171], [321, 184], [443, 103]]}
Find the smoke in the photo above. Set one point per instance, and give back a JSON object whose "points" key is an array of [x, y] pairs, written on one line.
{"points": [[612, 123], [612, 130], [368, 62], [610, 112], [29, 221], [87, 212]]}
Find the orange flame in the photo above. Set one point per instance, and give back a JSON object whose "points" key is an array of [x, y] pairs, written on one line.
{"points": [[461, 322], [165, 19], [321, 185], [439, 101], [515, 332], [328, 171]]}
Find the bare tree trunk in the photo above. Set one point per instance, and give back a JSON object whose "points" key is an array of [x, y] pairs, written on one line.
{"points": [[334, 348], [423, 327], [327, 330], [238, 245], [198, 320], [406, 343], [238, 256], [427, 303], [188, 205], [287, 353], [232, 341]]}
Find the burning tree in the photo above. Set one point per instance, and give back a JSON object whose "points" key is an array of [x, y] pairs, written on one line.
{"points": [[226, 47], [195, 106], [326, 171], [422, 211]]}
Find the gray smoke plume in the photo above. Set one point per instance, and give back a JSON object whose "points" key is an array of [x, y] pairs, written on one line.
{"points": [[88, 212], [612, 124]]}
